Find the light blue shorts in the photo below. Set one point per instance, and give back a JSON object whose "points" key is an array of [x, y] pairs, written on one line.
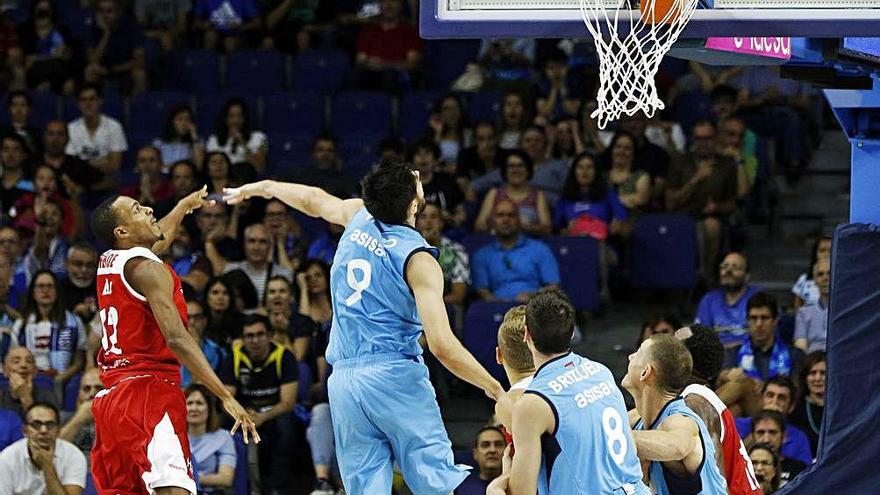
{"points": [[384, 410]]}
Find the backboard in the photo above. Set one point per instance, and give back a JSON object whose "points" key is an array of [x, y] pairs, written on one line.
{"points": [[562, 18]]}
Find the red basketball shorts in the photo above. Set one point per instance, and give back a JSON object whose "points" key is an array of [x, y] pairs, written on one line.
{"points": [[140, 438]]}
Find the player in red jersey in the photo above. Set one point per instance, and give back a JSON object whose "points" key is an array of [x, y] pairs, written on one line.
{"points": [[732, 458], [141, 445]]}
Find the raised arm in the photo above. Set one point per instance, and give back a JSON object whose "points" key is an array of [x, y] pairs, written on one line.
{"points": [[312, 201], [171, 222], [154, 281]]}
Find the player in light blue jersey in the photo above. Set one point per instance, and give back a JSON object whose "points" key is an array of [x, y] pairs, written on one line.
{"points": [[669, 434], [387, 288], [570, 430]]}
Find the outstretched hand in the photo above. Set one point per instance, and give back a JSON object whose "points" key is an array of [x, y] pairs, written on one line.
{"points": [[242, 419], [235, 195], [197, 199]]}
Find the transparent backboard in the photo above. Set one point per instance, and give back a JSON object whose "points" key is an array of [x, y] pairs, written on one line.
{"points": [[562, 18]]}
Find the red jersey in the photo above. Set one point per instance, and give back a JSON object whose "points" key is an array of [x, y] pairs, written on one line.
{"points": [[738, 469], [131, 342]]}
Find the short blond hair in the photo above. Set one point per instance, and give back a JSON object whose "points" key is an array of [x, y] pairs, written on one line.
{"points": [[511, 334]]}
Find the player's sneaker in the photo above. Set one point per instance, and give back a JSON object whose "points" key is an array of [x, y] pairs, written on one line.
{"points": [[323, 487]]}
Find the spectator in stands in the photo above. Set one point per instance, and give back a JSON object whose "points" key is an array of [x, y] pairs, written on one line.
{"points": [[660, 323], [506, 60], [20, 392], [11, 249], [391, 148], [226, 25], [49, 248], [257, 265], [47, 186], [263, 376], [180, 139], [731, 143], [807, 414], [289, 25], [811, 321], [16, 171], [778, 395], [326, 170], [291, 328], [115, 49], [633, 185], [224, 321], [313, 283], [324, 246], [76, 174], [11, 427], [152, 187], [95, 137], [440, 188], [20, 105], [449, 128], [480, 159], [705, 185], [558, 97], [214, 352], [54, 335], [647, 155], [766, 464], [488, 450], [769, 427], [805, 289], [212, 447], [48, 51], [534, 213], [565, 139], [183, 182], [8, 313], [42, 462], [724, 309], [234, 137], [514, 119], [588, 206], [288, 244], [388, 52], [163, 21], [321, 442], [214, 225], [514, 266], [453, 258], [79, 425], [77, 292], [763, 355], [550, 173], [218, 170]]}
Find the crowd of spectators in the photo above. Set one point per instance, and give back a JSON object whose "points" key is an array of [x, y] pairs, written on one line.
{"points": [[256, 276]]}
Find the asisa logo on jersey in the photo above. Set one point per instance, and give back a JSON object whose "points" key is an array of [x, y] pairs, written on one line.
{"points": [[367, 241]]}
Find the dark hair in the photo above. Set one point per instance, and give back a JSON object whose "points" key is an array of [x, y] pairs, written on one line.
{"points": [[207, 158], [598, 189], [813, 257], [774, 483], [392, 144], [93, 87], [184, 163], [227, 325], [673, 363], [244, 289], [774, 416], [526, 113], [388, 191], [462, 121], [26, 162], [782, 381], [423, 144], [220, 129], [605, 157], [254, 319], [723, 92], [485, 429], [56, 313], [811, 360], [104, 221], [325, 269], [763, 300], [655, 320], [170, 133], [550, 321], [210, 400], [19, 93], [556, 55], [46, 405], [284, 279], [707, 353], [522, 155]]}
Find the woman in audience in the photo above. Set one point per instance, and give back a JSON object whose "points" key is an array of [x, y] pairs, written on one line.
{"points": [[218, 172], [224, 321], [450, 129], [566, 139], [212, 447], [514, 119], [588, 206], [55, 336], [180, 140], [245, 148], [766, 464], [313, 283], [633, 185], [48, 188], [807, 415], [805, 290], [48, 51], [517, 170]]}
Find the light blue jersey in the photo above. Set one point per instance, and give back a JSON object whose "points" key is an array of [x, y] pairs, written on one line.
{"points": [[707, 481], [383, 406], [591, 450]]}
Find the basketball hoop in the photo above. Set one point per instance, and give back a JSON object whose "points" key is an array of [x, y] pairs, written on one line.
{"points": [[628, 60]]}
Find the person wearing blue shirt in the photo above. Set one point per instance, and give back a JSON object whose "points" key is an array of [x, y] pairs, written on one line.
{"points": [[487, 452], [668, 434], [213, 450], [514, 266], [724, 309], [569, 426], [387, 291], [779, 395], [10, 428], [214, 353], [586, 194]]}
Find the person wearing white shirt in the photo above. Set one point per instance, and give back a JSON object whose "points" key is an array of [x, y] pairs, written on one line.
{"points": [[95, 137], [234, 138], [41, 462]]}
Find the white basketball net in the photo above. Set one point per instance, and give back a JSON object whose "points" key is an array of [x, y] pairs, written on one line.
{"points": [[629, 58]]}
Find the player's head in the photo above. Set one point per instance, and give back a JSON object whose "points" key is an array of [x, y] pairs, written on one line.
{"points": [[256, 333], [42, 424], [89, 385], [661, 363], [393, 193], [488, 450], [549, 322], [779, 394], [512, 351], [121, 222], [706, 350]]}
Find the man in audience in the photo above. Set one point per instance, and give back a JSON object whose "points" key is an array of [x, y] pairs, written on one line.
{"points": [[388, 51], [440, 188], [724, 309], [183, 182], [49, 248], [488, 450], [19, 112], [163, 21], [763, 355], [215, 354], [14, 172], [481, 158], [212, 221], [96, 138], [514, 266], [151, 188], [73, 171], [21, 392], [453, 258], [325, 171], [77, 291], [41, 462], [79, 425], [115, 49], [779, 395], [769, 427], [257, 265], [811, 322], [263, 376]]}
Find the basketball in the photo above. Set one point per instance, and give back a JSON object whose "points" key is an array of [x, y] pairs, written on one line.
{"points": [[656, 11]]}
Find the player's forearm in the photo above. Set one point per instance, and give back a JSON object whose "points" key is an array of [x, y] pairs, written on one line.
{"points": [[655, 445], [191, 356], [462, 364], [297, 196], [169, 225]]}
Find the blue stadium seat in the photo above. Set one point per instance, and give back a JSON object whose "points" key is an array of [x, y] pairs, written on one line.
{"points": [[664, 252], [196, 71], [359, 153], [149, 111], [71, 393], [241, 484], [361, 112], [90, 485], [445, 60], [255, 71], [296, 113], [306, 378], [481, 324], [321, 71], [415, 112], [112, 105], [485, 105], [473, 242], [578, 259], [287, 153], [209, 106]]}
